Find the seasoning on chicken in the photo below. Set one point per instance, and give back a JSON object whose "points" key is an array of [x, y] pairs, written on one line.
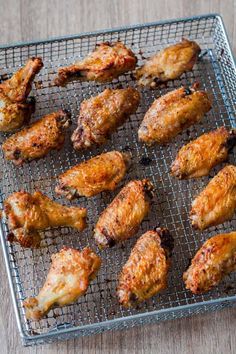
{"points": [[198, 157], [105, 63], [68, 278], [217, 202], [213, 261], [101, 173], [101, 115], [122, 218], [27, 214], [170, 114], [37, 140]]}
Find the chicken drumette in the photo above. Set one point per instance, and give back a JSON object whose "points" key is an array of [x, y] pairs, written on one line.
{"points": [[94, 176], [68, 278], [197, 158], [217, 202], [145, 273], [38, 139], [101, 115], [122, 218], [104, 64], [27, 214], [169, 64], [170, 114], [214, 260]]}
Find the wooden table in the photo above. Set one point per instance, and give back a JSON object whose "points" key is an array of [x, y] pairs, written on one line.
{"points": [[31, 19]]}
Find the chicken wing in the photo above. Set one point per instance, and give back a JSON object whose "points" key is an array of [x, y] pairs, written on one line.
{"points": [[197, 158], [103, 114], [18, 87], [168, 64], [145, 272], [27, 214], [122, 218], [104, 64], [37, 140], [170, 114], [214, 260], [94, 176], [217, 202], [68, 278]]}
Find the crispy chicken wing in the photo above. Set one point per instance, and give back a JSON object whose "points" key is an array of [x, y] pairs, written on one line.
{"points": [[94, 176], [198, 157], [215, 259], [145, 272], [101, 115], [170, 114], [168, 64], [18, 87], [68, 278], [217, 202], [122, 218], [104, 64], [37, 140], [28, 213]]}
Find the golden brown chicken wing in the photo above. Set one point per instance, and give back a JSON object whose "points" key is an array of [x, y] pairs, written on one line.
{"points": [[29, 213], [103, 114], [145, 272], [198, 157], [94, 176], [18, 87], [37, 140], [217, 202], [169, 64], [215, 259], [68, 278], [170, 114], [122, 218], [104, 64]]}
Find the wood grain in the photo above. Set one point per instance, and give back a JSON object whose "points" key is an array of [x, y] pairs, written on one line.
{"points": [[31, 19]]}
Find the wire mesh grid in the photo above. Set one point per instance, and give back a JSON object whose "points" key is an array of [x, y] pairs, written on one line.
{"points": [[99, 309]]}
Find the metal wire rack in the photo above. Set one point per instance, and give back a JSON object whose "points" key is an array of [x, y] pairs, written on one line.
{"points": [[98, 310]]}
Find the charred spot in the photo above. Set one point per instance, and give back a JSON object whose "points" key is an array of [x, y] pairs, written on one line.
{"points": [[231, 141], [167, 241], [10, 237], [145, 161], [133, 298], [110, 241], [148, 189], [17, 154]]}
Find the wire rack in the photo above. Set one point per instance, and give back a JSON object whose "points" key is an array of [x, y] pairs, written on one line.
{"points": [[98, 310]]}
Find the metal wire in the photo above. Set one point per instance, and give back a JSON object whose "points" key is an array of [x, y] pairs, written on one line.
{"points": [[99, 309]]}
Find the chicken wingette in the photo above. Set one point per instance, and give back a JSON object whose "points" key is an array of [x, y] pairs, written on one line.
{"points": [[105, 63], [37, 140], [198, 157], [27, 214], [168, 64], [122, 218], [101, 115], [217, 202], [145, 272], [214, 260], [68, 278], [101, 173], [170, 114]]}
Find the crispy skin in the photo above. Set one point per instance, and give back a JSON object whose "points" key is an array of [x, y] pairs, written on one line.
{"points": [[168, 64], [170, 114], [28, 213], [37, 140], [217, 202], [18, 87], [215, 259], [68, 278], [197, 158], [122, 218], [101, 115], [145, 272], [94, 176], [104, 64]]}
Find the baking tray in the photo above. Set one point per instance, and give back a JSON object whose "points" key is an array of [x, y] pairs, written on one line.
{"points": [[98, 310]]}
